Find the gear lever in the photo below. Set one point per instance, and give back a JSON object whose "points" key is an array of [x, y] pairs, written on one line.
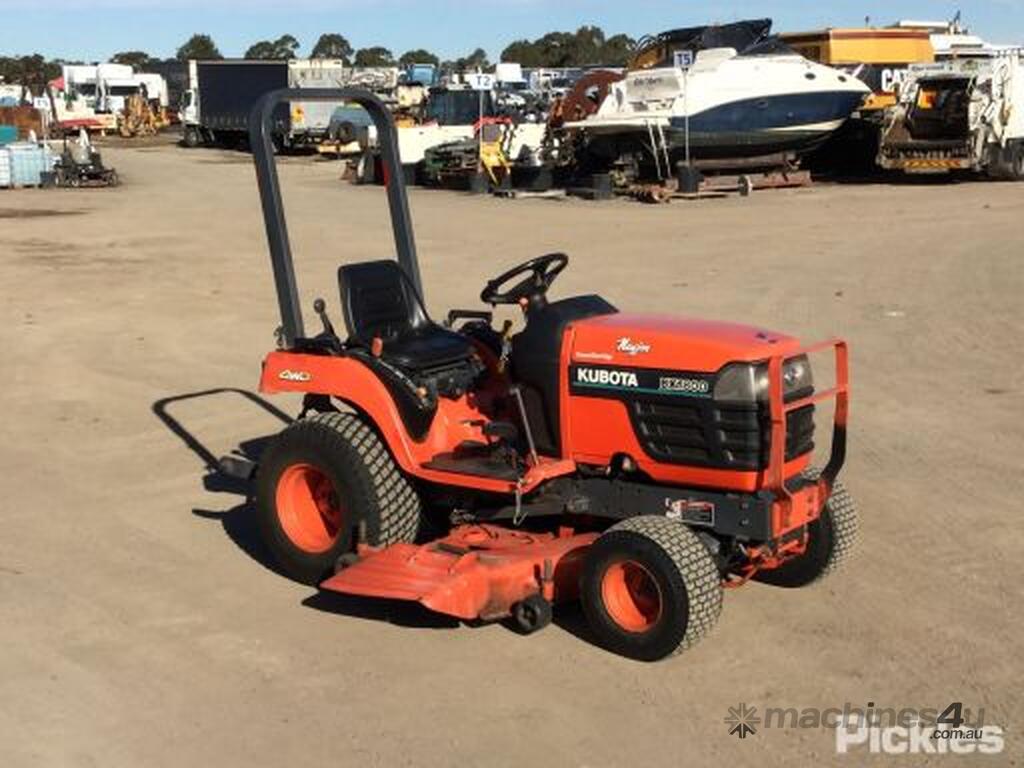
{"points": [[320, 307]]}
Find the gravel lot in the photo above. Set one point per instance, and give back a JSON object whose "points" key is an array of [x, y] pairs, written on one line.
{"points": [[139, 628]]}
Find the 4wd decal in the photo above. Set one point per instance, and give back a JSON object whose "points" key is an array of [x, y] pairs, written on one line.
{"points": [[300, 376], [612, 381]]}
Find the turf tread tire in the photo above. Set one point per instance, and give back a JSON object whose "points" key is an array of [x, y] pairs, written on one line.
{"points": [[834, 539], [697, 576], [364, 474]]}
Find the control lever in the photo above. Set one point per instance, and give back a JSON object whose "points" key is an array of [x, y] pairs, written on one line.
{"points": [[320, 307], [506, 346], [518, 396]]}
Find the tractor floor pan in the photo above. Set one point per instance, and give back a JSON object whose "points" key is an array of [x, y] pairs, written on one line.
{"points": [[475, 572]]}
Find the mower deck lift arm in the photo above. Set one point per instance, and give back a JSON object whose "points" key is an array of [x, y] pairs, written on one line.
{"points": [[261, 121]]}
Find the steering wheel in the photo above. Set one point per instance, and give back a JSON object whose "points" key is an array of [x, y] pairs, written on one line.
{"points": [[541, 272]]}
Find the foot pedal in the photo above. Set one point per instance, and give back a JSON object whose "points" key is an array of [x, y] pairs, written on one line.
{"points": [[503, 430]]}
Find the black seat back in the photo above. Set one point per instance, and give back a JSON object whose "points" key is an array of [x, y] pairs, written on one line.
{"points": [[378, 299]]}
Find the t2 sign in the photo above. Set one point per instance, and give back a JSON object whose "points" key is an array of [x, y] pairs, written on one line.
{"points": [[480, 81]]}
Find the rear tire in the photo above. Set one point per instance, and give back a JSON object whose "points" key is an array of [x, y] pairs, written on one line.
{"points": [[650, 588], [1016, 163], [1007, 164], [832, 540], [322, 480]]}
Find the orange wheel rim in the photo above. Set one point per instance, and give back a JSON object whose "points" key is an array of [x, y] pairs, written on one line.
{"points": [[308, 508], [631, 596]]}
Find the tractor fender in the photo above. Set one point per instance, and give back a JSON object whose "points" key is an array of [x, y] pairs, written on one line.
{"points": [[353, 382]]}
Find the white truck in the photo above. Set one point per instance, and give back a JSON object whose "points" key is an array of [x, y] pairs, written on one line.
{"points": [[451, 114], [94, 94], [102, 87], [960, 114]]}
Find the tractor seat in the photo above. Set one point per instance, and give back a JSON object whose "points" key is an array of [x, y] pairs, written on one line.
{"points": [[379, 300]]}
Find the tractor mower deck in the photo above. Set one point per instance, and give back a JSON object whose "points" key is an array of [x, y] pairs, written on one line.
{"points": [[475, 572]]}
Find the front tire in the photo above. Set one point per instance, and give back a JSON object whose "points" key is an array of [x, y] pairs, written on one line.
{"points": [[832, 539], [322, 482], [650, 588]]}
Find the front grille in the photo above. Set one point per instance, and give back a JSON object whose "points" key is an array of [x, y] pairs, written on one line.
{"points": [[704, 433]]}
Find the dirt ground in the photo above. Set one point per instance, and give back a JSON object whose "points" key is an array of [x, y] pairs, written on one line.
{"points": [[139, 628]]}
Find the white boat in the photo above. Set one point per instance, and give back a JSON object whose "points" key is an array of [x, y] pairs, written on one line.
{"points": [[730, 105], [951, 40]]}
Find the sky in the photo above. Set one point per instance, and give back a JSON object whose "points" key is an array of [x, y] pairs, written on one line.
{"points": [[94, 30]]}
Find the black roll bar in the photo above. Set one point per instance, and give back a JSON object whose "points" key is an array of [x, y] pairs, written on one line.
{"points": [[261, 140]]}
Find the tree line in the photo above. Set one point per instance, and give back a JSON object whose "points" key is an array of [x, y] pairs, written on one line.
{"points": [[33, 71], [588, 45]]}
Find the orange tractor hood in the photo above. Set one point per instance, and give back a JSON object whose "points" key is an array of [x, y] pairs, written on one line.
{"points": [[668, 342]]}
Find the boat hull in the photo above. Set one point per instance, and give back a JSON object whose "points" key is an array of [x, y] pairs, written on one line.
{"points": [[768, 125]]}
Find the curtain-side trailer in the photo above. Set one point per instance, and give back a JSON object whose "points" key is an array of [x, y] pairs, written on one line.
{"points": [[215, 108]]}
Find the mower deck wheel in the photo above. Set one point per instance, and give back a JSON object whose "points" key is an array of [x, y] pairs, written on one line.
{"points": [[323, 479], [650, 588], [532, 614], [832, 540]]}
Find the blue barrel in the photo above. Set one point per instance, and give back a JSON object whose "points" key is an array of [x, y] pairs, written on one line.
{"points": [[8, 134]]}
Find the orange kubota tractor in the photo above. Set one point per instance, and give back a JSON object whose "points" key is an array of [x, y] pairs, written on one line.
{"points": [[637, 463]]}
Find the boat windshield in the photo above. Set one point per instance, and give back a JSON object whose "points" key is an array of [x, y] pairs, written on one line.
{"points": [[770, 46], [740, 36]]}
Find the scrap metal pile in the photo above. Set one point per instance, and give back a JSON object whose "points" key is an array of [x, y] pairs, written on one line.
{"points": [[699, 111], [722, 108]]}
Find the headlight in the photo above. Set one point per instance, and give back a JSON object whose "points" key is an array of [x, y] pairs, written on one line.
{"points": [[742, 383], [796, 376], [748, 382]]}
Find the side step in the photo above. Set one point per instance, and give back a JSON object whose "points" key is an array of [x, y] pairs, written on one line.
{"points": [[478, 466]]}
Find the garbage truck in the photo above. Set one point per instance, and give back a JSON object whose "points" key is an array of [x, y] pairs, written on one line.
{"points": [[959, 115]]}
